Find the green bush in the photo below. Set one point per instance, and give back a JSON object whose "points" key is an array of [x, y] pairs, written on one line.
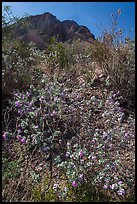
{"points": [[57, 56]]}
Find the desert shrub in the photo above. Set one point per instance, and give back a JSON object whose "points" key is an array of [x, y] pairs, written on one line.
{"points": [[18, 71], [80, 51], [9, 168], [50, 109], [64, 56], [60, 123], [100, 53], [117, 59], [121, 70], [19, 65], [90, 159], [18, 62], [57, 55], [18, 58]]}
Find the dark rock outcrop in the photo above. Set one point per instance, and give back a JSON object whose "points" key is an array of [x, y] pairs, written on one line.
{"points": [[40, 28]]}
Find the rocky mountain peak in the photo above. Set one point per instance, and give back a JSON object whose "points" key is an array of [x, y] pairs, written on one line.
{"points": [[43, 26]]}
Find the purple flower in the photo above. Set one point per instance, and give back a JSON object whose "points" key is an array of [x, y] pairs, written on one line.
{"points": [[104, 147], [36, 126], [74, 184], [17, 104], [82, 161], [93, 141], [56, 98], [4, 135], [22, 96], [16, 94], [53, 113], [81, 176], [19, 131], [111, 146], [105, 135], [93, 157], [28, 94], [112, 186], [81, 154], [120, 109], [126, 135], [23, 140], [105, 186], [30, 104], [36, 114], [107, 180], [20, 111], [18, 137], [121, 192], [45, 149]]}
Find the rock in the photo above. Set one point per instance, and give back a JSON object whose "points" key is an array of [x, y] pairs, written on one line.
{"points": [[40, 28]]}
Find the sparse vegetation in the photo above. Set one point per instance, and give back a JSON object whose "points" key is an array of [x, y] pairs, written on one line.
{"points": [[68, 120]]}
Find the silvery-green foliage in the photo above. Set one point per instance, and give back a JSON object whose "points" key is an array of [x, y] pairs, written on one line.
{"points": [[52, 115]]}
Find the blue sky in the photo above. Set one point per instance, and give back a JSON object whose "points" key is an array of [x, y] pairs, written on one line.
{"points": [[95, 15]]}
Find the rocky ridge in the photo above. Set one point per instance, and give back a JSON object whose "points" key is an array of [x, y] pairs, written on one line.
{"points": [[40, 28]]}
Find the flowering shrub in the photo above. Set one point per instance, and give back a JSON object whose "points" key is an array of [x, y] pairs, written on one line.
{"points": [[45, 113], [59, 121], [94, 160]]}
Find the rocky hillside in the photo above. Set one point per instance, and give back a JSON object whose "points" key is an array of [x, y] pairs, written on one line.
{"points": [[40, 28]]}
